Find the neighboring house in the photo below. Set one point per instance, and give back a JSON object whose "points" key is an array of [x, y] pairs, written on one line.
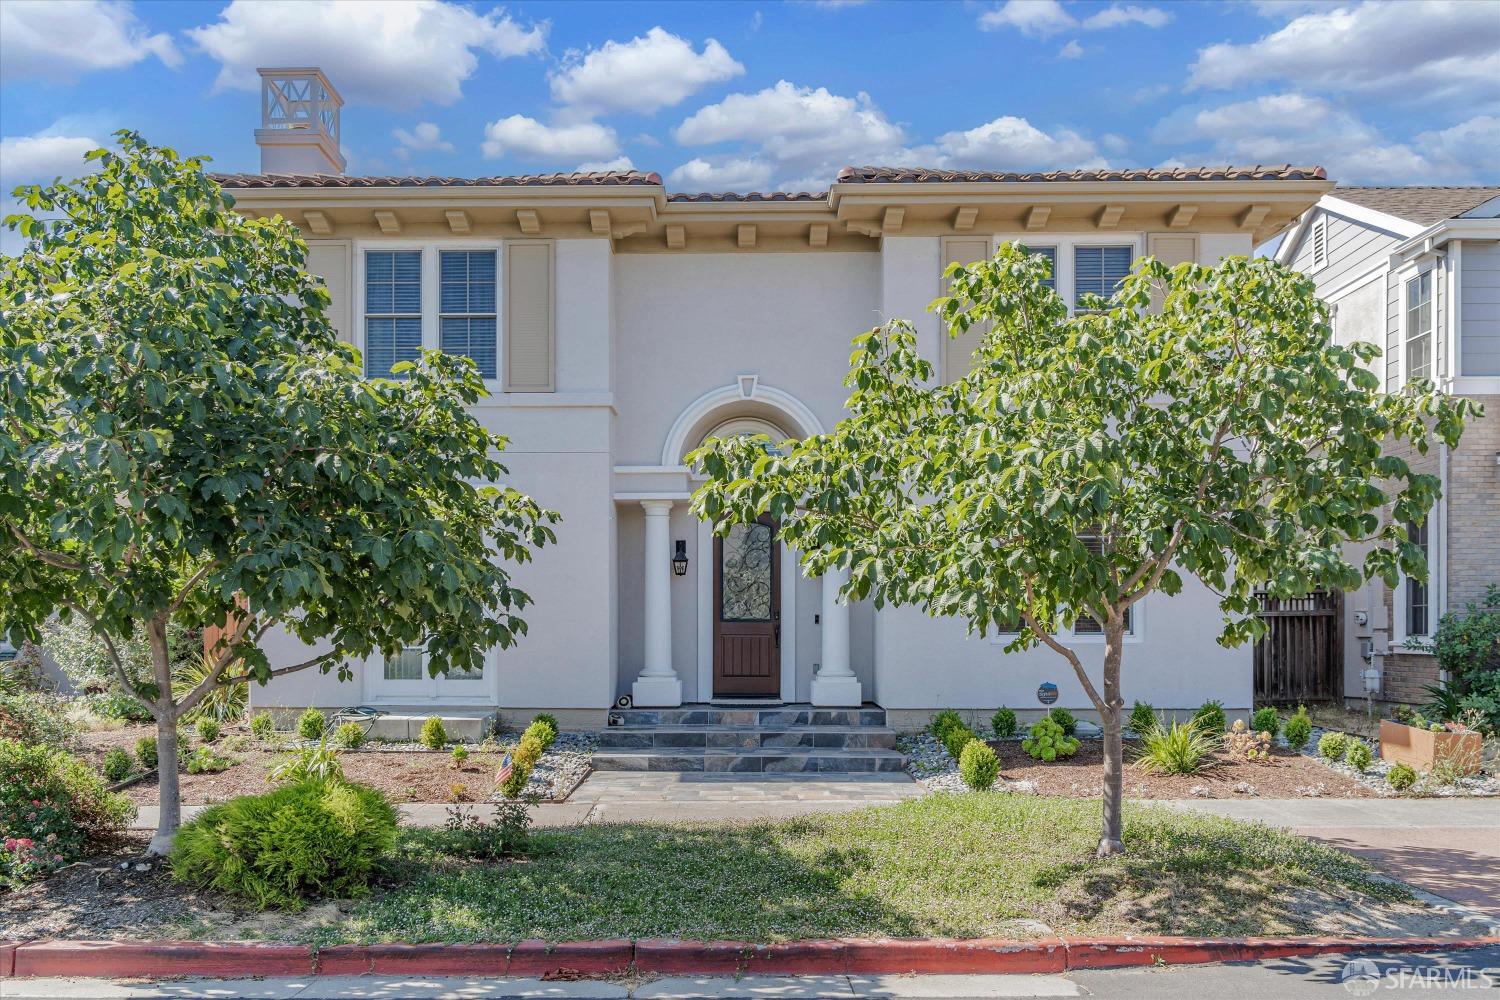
{"points": [[619, 324], [1416, 270]]}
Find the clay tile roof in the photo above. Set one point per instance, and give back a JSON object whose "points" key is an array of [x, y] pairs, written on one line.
{"points": [[750, 196], [920, 175], [606, 179], [1422, 205]]}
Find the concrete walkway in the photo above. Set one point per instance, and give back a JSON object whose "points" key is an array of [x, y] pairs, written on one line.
{"points": [[1450, 847]]}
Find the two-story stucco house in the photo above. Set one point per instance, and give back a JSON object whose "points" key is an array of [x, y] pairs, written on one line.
{"points": [[1416, 270], [619, 324]]}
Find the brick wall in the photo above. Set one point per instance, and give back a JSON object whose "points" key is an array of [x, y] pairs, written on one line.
{"points": [[1404, 677], [1474, 508]]}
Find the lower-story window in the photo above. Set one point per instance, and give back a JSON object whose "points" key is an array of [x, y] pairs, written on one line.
{"points": [[1417, 600]]}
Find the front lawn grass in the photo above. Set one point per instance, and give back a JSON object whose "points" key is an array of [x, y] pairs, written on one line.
{"points": [[950, 865]]}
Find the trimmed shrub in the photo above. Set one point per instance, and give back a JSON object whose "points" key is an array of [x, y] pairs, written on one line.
{"points": [[1064, 718], [1333, 746], [314, 763], [145, 752], [208, 728], [529, 750], [349, 735], [117, 765], [460, 755], [57, 805], [956, 738], [523, 757], [1143, 719], [433, 734], [262, 725], [301, 841], [548, 718], [1265, 720], [1048, 741], [942, 722], [1401, 777], [542, 730], [1359, 756], [1181, 748], [1298, 729], [206, 760], [311, 725], [1210, 717], [1003, 722], [978, 765], [32, 717]]}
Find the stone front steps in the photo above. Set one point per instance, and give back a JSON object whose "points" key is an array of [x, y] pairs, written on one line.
{"points": [[785, 739]]}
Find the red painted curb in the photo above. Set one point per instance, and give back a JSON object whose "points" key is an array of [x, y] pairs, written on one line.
{"points": [[954, 956], [584, 959], [119, 959]]}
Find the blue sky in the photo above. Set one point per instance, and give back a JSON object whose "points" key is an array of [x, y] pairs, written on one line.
{"points": [[741, 96]]}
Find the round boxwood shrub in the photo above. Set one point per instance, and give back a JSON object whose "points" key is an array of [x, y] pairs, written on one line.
{"points": [[1003, 722], [1359, 756], [542, 729], [311, 725], [433, 734], [1333, 746], [1401, 777], [208, 728], [956, 738], [1210, 717], [549, 719], [978, 765], [1298, 729], [349, 735], [299, 841], [117, 765], [1143, 718], [145, 751], [942, 722], [53, 808], [1064, 718], [262, 725], [1048, 742], [1265, 720]]}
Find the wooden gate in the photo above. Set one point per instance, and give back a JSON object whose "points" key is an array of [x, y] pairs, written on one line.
{"points": [[1301, 658]]}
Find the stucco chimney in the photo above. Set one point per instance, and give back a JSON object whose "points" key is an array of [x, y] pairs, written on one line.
{"points": [[299, 122]]}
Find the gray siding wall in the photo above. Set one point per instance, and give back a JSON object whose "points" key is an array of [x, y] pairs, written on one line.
{"points": [[1353, 248], [1479, 308]]}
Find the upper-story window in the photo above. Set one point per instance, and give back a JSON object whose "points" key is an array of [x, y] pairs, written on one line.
{"points": [[393, 309], [1051, 254], [1419, 326], [1099, 269], [467, 315]]}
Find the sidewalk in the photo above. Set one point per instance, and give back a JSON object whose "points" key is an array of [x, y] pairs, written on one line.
{"points": [[1450, 847]]}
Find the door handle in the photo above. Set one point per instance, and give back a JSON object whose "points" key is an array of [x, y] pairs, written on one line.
{"points": [[776, 627]]}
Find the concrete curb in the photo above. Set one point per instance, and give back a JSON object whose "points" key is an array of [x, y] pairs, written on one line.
{"points": [[603, 959]]}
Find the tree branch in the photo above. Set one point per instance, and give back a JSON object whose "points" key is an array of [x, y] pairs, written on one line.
{"points": [[114, 657], [182, 595], [1066, 652], [55, 559]]}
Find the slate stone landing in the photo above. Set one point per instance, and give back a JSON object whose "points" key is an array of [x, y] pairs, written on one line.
{"points": [[780, 740]]}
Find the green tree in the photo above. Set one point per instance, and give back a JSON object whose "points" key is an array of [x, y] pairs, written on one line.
{"points": [[1199, 423], [183, 437]]}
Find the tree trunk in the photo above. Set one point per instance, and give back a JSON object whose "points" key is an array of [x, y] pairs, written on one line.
{"points": [[1111, 840], [170, 816]]}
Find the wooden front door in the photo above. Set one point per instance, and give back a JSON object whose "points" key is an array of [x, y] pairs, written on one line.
{"points": [[747, 611]]}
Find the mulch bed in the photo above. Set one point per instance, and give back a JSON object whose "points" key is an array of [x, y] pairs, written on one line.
{"points": [[404, 776], [1081, 775]]}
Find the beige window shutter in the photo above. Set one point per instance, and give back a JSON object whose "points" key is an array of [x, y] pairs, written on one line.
{"points": [[530, 354], [958, 352], [330, 260], [1171, 249]]}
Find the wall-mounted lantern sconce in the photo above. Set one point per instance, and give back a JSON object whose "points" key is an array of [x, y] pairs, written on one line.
{"points": [[679, 560]]}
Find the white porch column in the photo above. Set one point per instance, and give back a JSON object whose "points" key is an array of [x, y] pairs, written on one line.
{"points": [[658, 685], [835, 683]]}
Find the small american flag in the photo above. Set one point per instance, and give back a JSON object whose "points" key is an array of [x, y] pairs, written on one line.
{"points": [[505, 769]]}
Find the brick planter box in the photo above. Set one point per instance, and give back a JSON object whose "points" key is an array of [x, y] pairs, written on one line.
{"points": [[1420, 749]]}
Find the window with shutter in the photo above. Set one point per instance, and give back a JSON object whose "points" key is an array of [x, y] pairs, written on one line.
{"points": [[393, 309], [1099, 270], [529, 362], [467, 318], [1086, 625]]}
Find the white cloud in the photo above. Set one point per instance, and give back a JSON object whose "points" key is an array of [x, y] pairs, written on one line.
{"points": [[644, 75], [1039, 18], [800, 128], [731, 174], [1115, 16], [425, 137], [37, 159], [61, 41], [606, 166], [1011, 143], [395, 55], [529, 139], [1072, 50], [1295, 128], [1422, 51], [1042, 18]]}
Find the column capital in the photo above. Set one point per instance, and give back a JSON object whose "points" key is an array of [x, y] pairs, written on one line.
{"points": [[658, 506]]}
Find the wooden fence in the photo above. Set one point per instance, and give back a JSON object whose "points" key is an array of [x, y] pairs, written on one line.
{"points": [[1301, 658]]}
